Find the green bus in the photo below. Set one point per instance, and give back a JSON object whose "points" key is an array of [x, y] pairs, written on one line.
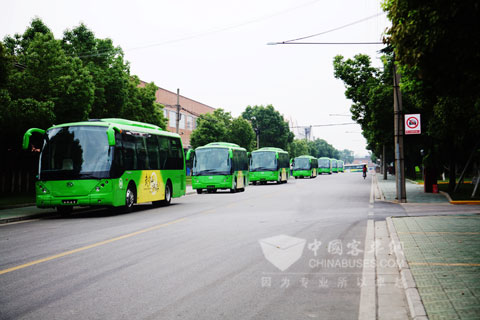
{"points": [[339, 166], [324, 165], [334, 165], [219, 165], [269, 164], [305, 166], [108, 162]]}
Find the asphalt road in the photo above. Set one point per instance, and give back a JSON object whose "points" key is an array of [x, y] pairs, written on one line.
{"points": [[200, 258]]}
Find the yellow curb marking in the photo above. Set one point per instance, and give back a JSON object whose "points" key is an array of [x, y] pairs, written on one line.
{"points": [[465, 202], [66, 253], [444, 264]]}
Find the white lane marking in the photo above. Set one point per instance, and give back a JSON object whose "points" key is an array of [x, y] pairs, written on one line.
{"points": [[367, 308]]}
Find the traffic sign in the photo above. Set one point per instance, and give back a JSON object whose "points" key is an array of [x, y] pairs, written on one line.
{"points": [[412, 124]]}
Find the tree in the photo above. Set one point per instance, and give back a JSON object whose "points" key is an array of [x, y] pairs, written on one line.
{"points": [[106, 64], [273, 129], [437, 45], [241, 133], [220, 126], [298, 147]]}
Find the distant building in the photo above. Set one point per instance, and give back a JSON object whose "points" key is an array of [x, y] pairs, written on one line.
{"points": [[190, 111]]}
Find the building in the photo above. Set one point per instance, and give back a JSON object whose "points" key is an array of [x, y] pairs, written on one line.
{"points": [[190, 110]]}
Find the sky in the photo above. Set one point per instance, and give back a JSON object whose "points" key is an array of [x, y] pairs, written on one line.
{"points": [[216, 51]]}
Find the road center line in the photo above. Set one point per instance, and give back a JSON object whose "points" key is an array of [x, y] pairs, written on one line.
{"points": [[101, 243]]}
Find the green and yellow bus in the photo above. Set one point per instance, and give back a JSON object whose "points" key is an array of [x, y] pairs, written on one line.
{"points": [[269, 164], [324, 165], [305, 166], [108, 162], [339, 166], [219, 165], [334, 165]]}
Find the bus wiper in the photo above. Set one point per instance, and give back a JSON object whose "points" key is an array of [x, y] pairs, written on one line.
{"points": [[206, 171], [263, 169]]}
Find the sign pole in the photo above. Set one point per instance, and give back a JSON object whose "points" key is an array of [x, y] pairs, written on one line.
{"points": [[398, 138]]}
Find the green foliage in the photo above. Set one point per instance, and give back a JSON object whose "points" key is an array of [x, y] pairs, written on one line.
{"points": [[437, 46], [298, 148], [321, 148], [371, 91], [220, 126], [273, 129], [44, 80], [241, 133]]}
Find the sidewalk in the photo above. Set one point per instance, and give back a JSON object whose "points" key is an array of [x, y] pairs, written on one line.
{"points": [[442, 253], [414, 191], [437, 247], [17, 213]]}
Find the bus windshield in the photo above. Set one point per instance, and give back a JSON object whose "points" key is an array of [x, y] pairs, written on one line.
{"points": [[263, 161], [212, 161], [324, 163], [302, 164], [77, 152]]}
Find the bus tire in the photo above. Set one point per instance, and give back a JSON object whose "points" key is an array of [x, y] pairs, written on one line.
{"points": [[168, 193], [199, 191], [64, 210], [130, 197]]}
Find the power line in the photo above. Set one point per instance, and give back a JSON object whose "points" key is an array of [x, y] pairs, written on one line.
{"points": [[326, 125], [327, 43], [337, 28]]}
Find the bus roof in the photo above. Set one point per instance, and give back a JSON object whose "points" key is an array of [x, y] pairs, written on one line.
{"points": [[227, 145], [324, 158], [305, 156], [121, 125], [272, 149]]}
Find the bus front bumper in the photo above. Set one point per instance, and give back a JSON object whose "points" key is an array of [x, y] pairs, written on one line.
{"points": [[49, 201], [212, 182], [263, 176]]}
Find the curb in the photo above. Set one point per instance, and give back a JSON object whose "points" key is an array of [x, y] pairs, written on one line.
{"points": [[46, 214], [378, 190], [415, 304], [458, 201]]}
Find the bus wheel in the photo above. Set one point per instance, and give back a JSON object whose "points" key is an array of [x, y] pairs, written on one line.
{"points": [[199, 191], [64, 210], [130, 197], [168, 194], [254, 182], [234, 187]]}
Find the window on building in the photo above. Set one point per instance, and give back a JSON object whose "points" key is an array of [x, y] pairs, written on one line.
{"points": [[182, 121], [189, 123], [165, 113], [173, 117]]}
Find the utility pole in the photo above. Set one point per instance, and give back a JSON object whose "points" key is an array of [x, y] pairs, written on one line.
{"points": [[384, 160], [398, 138], [178, 110]]}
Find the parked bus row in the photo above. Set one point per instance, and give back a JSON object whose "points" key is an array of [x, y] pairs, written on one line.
{"points": [[118, 163]]}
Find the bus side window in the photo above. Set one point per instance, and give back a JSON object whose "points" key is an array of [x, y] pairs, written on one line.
{"points": [[163, 146], [129, 153], [175, 155], [244, 161], [153, 153], [142, 161]]}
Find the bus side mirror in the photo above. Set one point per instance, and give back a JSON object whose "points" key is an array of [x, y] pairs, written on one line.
{"points": [[28, 134], [249, 155], [190, 154], [111, 136], [230, 153]]}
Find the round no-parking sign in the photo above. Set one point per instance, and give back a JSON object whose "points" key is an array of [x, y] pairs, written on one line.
{"points": [[412, 124]]}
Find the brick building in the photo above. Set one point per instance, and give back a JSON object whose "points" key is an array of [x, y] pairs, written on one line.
{"points": [[190, 111]]}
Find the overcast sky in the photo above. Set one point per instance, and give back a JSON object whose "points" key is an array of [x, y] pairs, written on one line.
{"points": [[216, 51]]}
